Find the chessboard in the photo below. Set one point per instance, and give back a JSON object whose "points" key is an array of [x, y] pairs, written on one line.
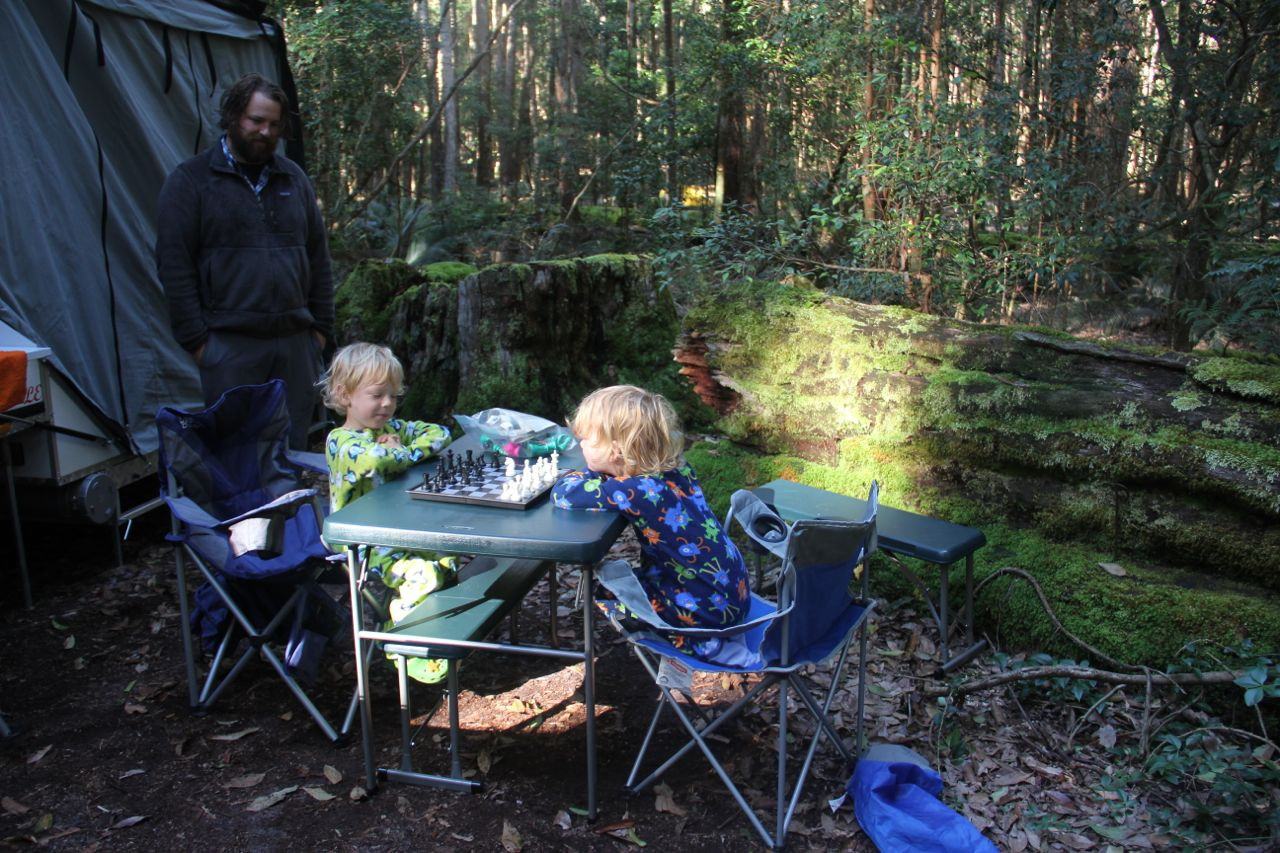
{"points": [[478, 481]]}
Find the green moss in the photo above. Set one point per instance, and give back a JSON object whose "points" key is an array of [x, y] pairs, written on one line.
{"points": [[363, 301], [1187, 401], [1240, 376], [1142, 618], [447, 272]]}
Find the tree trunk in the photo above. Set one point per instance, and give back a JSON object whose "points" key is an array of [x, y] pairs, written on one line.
{"points": [[1171, 455], [669, 95], [870, 201], [448, 76], [733, 186], [532, 337], [484, 83]]}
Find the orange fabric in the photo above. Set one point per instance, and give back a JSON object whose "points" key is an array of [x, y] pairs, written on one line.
{"points": [[13, 379]]}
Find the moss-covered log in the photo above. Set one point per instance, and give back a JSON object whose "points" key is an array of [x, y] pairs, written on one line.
{"points": [[1170, 459], [532, 337]]}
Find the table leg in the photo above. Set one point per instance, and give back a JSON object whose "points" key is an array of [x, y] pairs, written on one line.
{"points": [[944, 611], [356, 564], [589, 683]]}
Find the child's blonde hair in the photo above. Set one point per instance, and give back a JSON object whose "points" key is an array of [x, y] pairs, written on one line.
{"points": [[359, 364], [642, 425]]}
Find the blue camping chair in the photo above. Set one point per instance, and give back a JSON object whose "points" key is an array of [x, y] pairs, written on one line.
{"points": [[242, 517], [814, 619]]}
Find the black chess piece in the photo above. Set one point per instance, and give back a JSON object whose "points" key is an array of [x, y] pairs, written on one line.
{"points": [[448, 460]]}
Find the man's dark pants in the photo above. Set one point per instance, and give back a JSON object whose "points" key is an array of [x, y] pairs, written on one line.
{"points": [[232, 359]]}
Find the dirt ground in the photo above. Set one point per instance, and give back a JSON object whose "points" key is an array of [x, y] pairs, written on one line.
{"points": [[106, 754]]}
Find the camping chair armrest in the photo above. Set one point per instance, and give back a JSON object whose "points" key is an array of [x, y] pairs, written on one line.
{"points": [[284, 506], [308, 461], [189, 512]]}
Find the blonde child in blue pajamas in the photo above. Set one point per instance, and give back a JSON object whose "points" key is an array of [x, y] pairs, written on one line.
{"points": [[364, 384]]}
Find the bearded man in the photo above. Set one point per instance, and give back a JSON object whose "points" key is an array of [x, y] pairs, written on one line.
{"points": [[242, 254]]}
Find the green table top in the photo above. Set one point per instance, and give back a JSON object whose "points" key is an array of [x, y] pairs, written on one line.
{"points": [[388, 516]]}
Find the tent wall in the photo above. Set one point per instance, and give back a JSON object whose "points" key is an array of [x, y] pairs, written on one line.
{"points": [[104, 98]]}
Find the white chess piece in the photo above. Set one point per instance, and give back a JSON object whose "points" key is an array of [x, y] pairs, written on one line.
{"points": [[511, 467], [555, 462]]}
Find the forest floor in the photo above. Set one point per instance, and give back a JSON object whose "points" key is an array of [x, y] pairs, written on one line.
{"points": [[106, 755]]}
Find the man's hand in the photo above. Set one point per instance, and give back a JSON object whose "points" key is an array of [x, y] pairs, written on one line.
{"points": [[198, 353], [390, 440]]}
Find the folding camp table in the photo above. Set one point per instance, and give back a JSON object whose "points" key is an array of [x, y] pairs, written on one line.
{"points": [[388, 516]]}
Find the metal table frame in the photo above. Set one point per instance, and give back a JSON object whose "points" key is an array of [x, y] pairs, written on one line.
{"points": [[388, 516]]}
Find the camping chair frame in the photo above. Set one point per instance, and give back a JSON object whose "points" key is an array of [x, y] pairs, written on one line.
{"points": [[260, 634], [783, 672]]}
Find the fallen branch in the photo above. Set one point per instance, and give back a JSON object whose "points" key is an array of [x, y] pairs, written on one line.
{"points": [[1044, 603], [1086, 673]]}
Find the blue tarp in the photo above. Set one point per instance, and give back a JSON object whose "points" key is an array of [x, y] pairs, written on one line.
{"points": [[895, 798]]}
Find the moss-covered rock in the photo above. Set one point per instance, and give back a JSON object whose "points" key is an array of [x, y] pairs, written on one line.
{"points": [[533, 337], [1142, 617], [1071, 451], [366, 299]]}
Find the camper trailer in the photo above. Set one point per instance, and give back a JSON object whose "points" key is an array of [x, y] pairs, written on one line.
{"points": [[105, 98]]}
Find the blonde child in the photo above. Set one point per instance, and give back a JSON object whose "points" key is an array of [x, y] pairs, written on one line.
{"points": [[691, 573], [364, 384]]}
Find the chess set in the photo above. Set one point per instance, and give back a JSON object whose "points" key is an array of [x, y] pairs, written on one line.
{"points": [[488, 479]]}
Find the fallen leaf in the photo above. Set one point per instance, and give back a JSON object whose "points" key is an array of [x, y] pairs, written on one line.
{"points": [[57, 625], [664, 802], [1074, 840], [133, 708], [287, 716], [358, 793], [39, 754], [1107, 735], [12, 806], [563, 820], [511, 840], [332, 774], [69, 642], [137, 771], [43, 824], [1010, 777], [484, 760], [268, 800], [182, 747], [1113, 569], [246, 781], [318, 794], [236, 735], [129, 821]]}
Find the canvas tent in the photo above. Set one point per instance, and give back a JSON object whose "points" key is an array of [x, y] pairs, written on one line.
{"points": [[102, 98]]}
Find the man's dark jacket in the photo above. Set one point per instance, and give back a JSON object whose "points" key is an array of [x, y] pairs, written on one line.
{"points": [[231, 261]]}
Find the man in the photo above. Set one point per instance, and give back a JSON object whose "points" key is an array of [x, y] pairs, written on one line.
{"points": [[242, 255]]}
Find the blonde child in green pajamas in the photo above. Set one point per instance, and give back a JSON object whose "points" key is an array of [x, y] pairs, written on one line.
{"points": [[364, 383]]}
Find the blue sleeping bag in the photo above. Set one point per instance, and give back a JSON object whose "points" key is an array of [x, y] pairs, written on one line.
{"points": [[895, 798]]}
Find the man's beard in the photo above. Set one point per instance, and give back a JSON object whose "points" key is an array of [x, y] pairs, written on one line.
{"points": [[251, 150]]}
